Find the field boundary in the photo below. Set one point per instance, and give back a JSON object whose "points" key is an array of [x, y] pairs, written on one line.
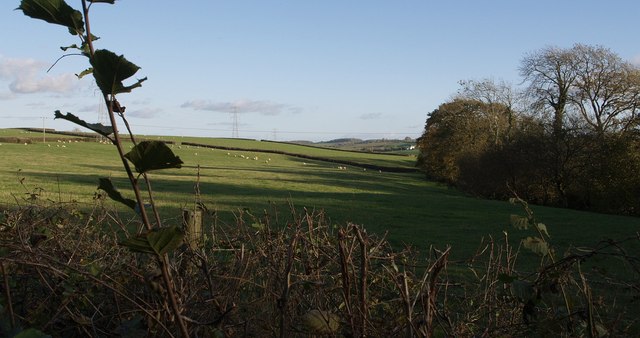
{"points": [[279, 152], [310, 157]]}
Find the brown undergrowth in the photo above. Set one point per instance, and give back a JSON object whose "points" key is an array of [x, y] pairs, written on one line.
{"points": [[64, 273]]}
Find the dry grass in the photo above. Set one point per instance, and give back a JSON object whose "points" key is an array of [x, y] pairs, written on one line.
{"points": [[292, 274]]}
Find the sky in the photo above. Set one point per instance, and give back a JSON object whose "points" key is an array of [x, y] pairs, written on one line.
{"points": [[292, 70]]}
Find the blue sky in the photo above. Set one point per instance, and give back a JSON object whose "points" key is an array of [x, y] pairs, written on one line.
{"points": [[293, 70]]}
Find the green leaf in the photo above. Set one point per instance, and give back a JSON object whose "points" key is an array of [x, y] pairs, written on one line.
{"points": [[114, 194], [138, 244], [83, 48], [153, 155], [97, 127], [165, 240], [55, 12], [537, 245], [74, 46], [110, 70], [84, 73], [159, 241], [103, 1]]}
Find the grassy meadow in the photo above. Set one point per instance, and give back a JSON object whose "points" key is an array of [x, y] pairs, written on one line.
{"points": [[411, 209]]}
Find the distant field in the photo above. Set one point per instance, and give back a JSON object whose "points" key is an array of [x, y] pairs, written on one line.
{"points": [[38, 136], [360, 157], [413, 210]]}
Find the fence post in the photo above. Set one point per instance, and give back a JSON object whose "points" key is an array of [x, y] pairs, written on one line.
{"points": [[192, 222]]}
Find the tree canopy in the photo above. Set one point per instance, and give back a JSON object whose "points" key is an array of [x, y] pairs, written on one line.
{"points": [[568, 136]]}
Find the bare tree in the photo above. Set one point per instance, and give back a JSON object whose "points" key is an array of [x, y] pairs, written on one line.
{"points": [[551, 73], [606, 92], [499, 98]]}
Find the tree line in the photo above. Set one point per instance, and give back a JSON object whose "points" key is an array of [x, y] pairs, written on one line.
{"points": [[567, 136]]}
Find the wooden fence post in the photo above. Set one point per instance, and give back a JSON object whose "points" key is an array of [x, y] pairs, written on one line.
{"points": [[192, 222]]}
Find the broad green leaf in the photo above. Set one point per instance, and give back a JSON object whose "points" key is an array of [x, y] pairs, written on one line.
{"points": [[138, 244], [114, 194], [165, 240], [159, 241], [103, 1], [97, 127], [54, 11], [537, 245], [110, 70], [153, 155]]}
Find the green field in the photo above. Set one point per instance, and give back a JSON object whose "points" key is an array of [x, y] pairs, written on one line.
{"points": [[407, 206]]}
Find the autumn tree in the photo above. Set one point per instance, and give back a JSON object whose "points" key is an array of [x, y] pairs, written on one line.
{"points": [[569, 138], [456, 130]]}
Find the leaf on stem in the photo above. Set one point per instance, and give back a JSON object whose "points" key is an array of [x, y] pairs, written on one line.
{"points": [[56, 12], [114, 194], [153, 155], [110, 70], [159, 241], [85, 73], [96, 127]]}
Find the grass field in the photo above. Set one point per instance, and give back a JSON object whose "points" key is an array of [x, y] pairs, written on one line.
{"points": [[413, 210]]}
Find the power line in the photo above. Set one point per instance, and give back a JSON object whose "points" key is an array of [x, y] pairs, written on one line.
{"points": [[234, 132], [279, 131]]}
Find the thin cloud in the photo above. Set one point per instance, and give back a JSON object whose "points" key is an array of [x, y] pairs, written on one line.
{"points": [[371, 116], [241, 106], [144, 113], [7, 95], [636, 60], [25, 77]]}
